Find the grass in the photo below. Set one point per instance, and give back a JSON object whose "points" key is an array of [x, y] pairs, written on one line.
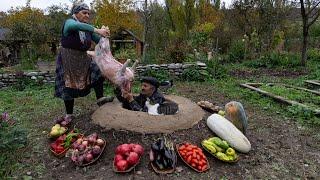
{"points": [[35, 107], [300, 96]]}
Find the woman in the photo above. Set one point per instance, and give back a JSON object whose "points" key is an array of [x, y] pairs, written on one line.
{"points": [[76, 74]]}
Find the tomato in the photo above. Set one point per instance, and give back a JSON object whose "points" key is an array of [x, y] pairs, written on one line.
{"points": [[189, 159], [200, 163], [189, 153], [193, 165], [183, 154], [199, 168], [59, 149], [204, 168], [189, 148], [182, 147], [198, 157], [194, 155], [195, 161]]}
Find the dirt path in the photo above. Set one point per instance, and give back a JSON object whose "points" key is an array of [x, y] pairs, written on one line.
{"points": [[280, 149]]}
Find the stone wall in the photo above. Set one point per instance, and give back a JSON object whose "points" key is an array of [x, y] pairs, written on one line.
{"points": [[7, 79], [174, 69]]}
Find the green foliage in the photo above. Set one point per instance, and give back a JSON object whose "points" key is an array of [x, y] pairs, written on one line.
{"points": [[237, 51], [125, 53], [314, 54], [278, 37], [195, 74], [176, 51], [303, 115], [275, 59], [216, 69], [160, 75], [315, 30], [12, 138]]}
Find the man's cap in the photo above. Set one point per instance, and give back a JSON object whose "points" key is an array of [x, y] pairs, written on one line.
{"points": [[151, 80]]}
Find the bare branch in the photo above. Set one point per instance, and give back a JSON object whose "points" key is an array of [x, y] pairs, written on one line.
{"points": [[314, 19], [313, 8]]}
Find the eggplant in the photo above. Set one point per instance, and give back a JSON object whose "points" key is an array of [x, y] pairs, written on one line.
{"points": [[160, 166], [174, 159], [155, 147], [167, 154], [162, 146]]}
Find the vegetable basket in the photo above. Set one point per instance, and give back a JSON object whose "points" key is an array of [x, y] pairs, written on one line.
{"points": [[95, 159], [177, 148], [234, 161]]}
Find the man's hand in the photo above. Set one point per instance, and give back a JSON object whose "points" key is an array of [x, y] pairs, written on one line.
{"points": [[128, 96]]}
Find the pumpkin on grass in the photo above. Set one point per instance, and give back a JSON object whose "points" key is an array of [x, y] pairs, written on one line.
{"points": [[236, 114]]}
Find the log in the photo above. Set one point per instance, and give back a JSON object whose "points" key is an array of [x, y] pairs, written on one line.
{"points": [[280, 98]]}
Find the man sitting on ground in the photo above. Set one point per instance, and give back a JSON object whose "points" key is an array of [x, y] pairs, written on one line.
{"points": [[149, 92]]}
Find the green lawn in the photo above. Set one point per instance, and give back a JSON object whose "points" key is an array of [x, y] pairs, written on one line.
{"points": [[32, 107]]}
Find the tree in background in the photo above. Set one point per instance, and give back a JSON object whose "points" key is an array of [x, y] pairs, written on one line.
{"points": [[117, 14], [310, 12], [54, 22]]}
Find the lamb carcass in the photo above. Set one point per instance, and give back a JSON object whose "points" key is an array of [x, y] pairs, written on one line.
{"points": [[119, 74]]}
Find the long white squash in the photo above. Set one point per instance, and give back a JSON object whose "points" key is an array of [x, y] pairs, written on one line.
{"points": [[228, 132]]}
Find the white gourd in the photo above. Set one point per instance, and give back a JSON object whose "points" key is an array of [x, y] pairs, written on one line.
{"points": [[228, 132]]}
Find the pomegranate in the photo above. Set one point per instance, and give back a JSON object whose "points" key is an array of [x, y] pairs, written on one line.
{"points": [[123, 149], [138, 149], [117, 158], [133, 158], [122, 165]]}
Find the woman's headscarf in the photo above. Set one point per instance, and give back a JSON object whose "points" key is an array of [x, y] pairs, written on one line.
{"points": [[76, 9]]}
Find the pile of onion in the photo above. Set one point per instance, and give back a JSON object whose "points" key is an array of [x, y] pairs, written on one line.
{"points": [[86, 149]]}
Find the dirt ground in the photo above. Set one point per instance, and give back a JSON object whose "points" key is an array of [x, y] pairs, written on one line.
{"points": [[280, 148]]}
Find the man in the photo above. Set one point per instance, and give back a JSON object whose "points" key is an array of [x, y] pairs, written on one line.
{"points": [[149, 91]]}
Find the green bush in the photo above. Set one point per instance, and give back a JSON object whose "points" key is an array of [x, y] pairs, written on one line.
{"points": [[216, 68], [275, 59], [12, 138], [125, 53], [161, 75], [313, 54], [195, 74], [237, 51]]}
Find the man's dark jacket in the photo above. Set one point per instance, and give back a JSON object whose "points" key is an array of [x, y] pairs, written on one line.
{"points": [[139, 101]]}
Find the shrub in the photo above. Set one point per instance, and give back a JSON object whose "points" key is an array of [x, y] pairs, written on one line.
{"points": [[12, 137], [237, 51], [216, 68], [195, 74], [274, 59], [313, 54], [161, 75]]}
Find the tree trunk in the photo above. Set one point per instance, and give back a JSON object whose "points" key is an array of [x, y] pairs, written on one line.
{"points": [[304, 34], [145, 31], [304, 46]]}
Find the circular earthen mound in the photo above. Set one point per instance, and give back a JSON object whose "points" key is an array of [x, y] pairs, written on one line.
{"points": [[113, 116]]}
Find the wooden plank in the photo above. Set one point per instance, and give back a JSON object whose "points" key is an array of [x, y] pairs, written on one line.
{"points": [[313, 82], [280, 98], [303, 89]]}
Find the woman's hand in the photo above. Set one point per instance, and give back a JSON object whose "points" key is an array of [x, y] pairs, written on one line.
{"points": [[104, 32]]}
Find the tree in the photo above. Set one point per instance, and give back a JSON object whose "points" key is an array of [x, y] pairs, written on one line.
{"points": [[310, 12], [57, 14], [117, 14]]}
